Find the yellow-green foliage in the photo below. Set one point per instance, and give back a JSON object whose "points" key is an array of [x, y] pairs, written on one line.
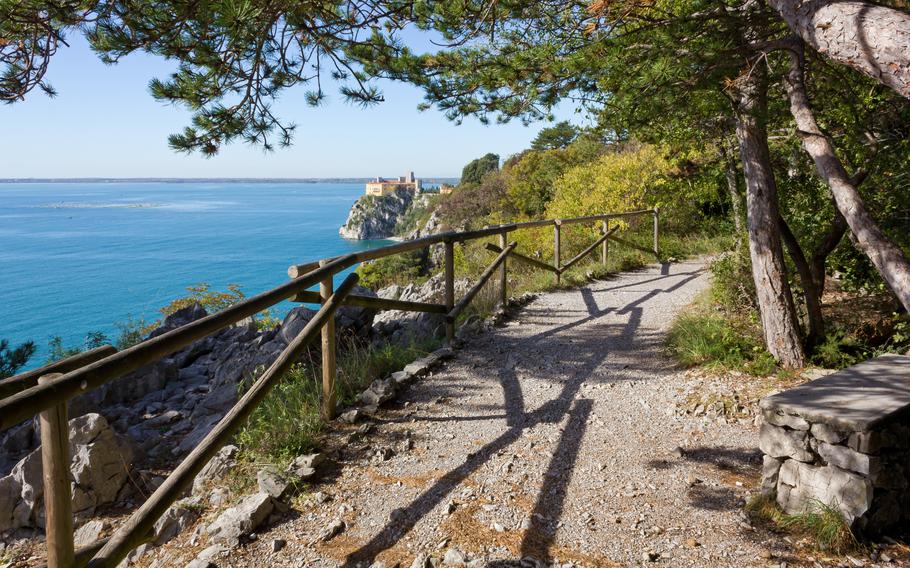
{"points": [[212, 300], [532, 176], [619, 181]]}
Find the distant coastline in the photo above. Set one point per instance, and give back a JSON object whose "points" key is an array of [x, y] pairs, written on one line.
{"points": [[208, 180]]}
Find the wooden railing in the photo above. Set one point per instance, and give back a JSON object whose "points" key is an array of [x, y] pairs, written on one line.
{"points": [[47, 390]]}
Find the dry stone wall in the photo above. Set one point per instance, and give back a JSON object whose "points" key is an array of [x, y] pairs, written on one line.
{"points": [[844, 441]]}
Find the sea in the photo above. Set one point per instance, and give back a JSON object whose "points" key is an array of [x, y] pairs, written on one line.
{"points": [[79, 257]]}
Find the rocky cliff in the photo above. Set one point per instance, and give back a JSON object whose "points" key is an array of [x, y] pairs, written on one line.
{"points": [[376, 217]]}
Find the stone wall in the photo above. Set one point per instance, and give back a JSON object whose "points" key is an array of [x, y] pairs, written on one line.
{"points": [[843, 440]]}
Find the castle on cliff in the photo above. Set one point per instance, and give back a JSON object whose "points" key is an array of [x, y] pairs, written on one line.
{"points": [[380, 187]]}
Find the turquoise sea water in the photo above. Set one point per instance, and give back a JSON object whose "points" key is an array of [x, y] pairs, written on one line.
{"points": [[78, 257]]}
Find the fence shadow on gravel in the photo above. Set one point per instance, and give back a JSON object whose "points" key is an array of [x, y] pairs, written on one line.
{"points": [[586, 350]]}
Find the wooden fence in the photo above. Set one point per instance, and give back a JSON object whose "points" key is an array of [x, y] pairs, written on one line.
{"points": [[45, 391]]}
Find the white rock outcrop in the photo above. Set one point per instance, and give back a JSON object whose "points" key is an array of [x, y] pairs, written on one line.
{"points": [[99, 465]]}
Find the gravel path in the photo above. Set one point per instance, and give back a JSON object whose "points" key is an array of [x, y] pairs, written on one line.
{"points": [[552, 438]]}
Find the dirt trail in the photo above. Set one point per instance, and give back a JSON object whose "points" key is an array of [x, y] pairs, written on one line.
{"points": [[552, 438]]}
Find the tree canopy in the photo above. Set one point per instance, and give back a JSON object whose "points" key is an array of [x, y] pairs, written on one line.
{"points": [[475, 170], [554, 137], [820, 134], [14, 358]]}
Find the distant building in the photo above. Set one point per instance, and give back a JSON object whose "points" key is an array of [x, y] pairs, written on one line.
{"points": [[446, 189], [380, 187]]}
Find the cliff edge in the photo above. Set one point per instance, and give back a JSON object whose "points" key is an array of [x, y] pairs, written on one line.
{"points": [[374, 217]]}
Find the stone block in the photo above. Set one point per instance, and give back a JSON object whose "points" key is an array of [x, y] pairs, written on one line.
{"points": [[779, 442], [826, 433], [865, 442], [769, 474], [240, 520], [788, 420], [860, 398], [801, 484], [845, 458]]}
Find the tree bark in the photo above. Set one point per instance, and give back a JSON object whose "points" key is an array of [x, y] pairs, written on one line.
{"points": [[732, 179], [827, 245], [873, 39], [811, 295], [775, 300], [887, 257]]}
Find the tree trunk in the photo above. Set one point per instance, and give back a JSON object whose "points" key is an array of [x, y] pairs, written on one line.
{"points": [[732, 179], [887, 257], [830, 241], [775, 301], [873, 39], [811, 294]]}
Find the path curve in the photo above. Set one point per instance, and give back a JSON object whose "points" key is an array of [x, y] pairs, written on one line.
{"points": [[551, 438]]}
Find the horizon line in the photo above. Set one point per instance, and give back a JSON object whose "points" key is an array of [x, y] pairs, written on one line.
{"points": [[198, 179]]}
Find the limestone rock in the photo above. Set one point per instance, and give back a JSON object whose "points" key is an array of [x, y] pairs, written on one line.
{"points": [[453, 557], [376, 217], [769, 474], [240, 520], [294, 322], [272, 483], [826, 433], [422, 366], [350, 417], [801, 484], [177, 518], [99, 467], [845, 458], [401, 377], [205, 558], [402, 327], [304, 467], [221, 463], [788, 420], [332, 530], [380, 391], [89, 533], [779, 442]]}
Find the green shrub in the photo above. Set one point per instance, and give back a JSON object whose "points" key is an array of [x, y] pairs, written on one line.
{"points": [[57, 350], [711, 339], [401, 269], [733, 287], [839, 350], [131, 332]]}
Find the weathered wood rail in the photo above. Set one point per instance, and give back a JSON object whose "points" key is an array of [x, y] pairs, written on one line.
{"points": [[47, 390]]}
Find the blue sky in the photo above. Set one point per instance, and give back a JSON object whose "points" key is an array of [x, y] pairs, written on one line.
{"points": [[104, 123]]}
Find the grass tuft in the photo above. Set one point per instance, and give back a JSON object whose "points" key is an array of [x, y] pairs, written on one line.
{"points": [[702, 337], [822, 523], [287, 423]]}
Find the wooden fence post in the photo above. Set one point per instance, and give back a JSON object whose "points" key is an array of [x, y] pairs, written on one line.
{"points": [[450, 289], [329, 365], [556, 242], [656, 215], [58, 501], [605, 247], [503, 290]]}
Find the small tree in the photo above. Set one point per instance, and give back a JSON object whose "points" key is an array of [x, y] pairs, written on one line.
{"points": [[476, 169], [11, 360], [554, 137]]}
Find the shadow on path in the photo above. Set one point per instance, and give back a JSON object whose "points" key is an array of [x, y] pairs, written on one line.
{"points": [[584, 351]]}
